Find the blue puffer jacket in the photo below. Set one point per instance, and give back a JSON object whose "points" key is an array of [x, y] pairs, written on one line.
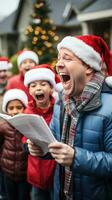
{"points": [[92, 164]]}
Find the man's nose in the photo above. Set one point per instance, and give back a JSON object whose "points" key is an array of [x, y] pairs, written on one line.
{"points": [[59, 65]]}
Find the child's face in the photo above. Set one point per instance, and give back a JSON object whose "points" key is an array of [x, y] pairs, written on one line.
{"points": [[26, 65], [15, 107], [41, 92]]}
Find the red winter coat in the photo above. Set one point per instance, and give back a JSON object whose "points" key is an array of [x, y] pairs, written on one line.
{"points": [[13, 159], [17, 81], [40, 173]]}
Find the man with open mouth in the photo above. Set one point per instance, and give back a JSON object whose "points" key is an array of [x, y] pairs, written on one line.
{"points": [[85, 151]]}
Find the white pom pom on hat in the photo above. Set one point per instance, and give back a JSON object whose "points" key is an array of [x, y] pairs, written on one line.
{"points": [[59, 87], [108, 81], [27, 54], [14, 94]]}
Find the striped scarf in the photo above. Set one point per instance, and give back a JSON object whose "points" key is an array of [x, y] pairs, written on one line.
{"points": [[73, 108]]}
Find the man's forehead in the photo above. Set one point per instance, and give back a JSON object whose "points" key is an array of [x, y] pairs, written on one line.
{"points": [[65, 51]]}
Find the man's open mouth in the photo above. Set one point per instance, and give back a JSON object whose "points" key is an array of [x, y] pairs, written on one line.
{"points": [[65, 78]]}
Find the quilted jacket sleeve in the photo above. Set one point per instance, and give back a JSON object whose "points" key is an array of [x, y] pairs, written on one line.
{"points": [[98, 164]]}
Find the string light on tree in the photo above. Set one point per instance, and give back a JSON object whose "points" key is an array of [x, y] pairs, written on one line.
{"points": [[41, 33], [36, 21]]}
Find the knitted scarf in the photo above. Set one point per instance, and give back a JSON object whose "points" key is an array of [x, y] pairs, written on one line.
{"points": [[73, 108]]}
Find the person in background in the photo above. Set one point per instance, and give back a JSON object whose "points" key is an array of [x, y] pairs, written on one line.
{"points": [[13, 159], [85, 151], [5, 66], [58, 86], [41, 83], [26, 60]]}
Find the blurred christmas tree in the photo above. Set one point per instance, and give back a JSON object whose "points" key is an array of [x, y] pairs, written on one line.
{"points": [[41, 33]]}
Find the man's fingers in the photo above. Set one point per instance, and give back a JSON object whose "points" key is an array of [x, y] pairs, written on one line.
{"points": [[55, 145]]}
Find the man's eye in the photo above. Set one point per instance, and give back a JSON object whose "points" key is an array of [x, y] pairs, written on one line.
{"points": [[67, 58]]}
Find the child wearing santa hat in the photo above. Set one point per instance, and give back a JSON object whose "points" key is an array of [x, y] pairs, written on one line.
{"points": [[13, 157], [25, 60], [58, 86], [41, 83]]}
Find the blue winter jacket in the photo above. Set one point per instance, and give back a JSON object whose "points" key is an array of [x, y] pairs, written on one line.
{"points": [[92, 164]]}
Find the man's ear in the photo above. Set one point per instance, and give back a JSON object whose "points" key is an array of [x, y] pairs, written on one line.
{"points": [[89, 71]]}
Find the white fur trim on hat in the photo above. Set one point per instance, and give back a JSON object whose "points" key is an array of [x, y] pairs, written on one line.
{"points": [[39, 74], [59, 87], [83, 51], [14, 94], [108, 81], [27, 55], [4, 65]]}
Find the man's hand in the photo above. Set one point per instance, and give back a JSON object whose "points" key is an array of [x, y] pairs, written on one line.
{"points": [[34, 150], [62, 153]]}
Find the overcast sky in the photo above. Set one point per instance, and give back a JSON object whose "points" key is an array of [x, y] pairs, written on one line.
{"points": [[7, 7]]}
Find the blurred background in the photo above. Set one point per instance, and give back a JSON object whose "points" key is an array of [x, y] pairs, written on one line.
{"points": [[40, 24]]}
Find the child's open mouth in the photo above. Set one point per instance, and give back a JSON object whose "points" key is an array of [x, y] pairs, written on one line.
{"points": [[39, 96]]}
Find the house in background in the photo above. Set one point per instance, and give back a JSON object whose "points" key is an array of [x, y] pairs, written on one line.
{"points": [[12, 28], [71, 17], [8, 35], [97, 19]]}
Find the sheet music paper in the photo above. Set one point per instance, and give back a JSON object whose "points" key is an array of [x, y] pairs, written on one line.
{"points": [[34, 127]]}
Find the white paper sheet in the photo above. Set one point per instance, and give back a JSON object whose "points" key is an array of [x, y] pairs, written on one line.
{"points": [[33, 127]]}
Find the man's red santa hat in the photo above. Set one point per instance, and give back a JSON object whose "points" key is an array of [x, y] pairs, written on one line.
{"points": [[91, 49]]}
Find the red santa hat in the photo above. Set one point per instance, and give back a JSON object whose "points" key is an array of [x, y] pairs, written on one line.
{"points": [[58, 85], [40, 72], [4, 63], [26, 54], [14, 94], [90, 49]]}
